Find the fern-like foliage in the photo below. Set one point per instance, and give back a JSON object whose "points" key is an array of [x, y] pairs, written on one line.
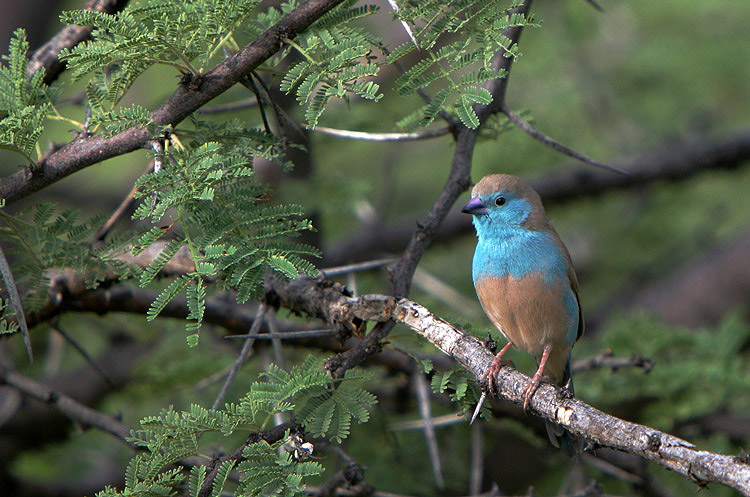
{"points": [[461, 388], [174, 435], [42, 239], [336, 60], [6, 312], [24, 102], [185, 35], [321, 409], [265, 473], [119, 119], [454, 71], [232, 233]]}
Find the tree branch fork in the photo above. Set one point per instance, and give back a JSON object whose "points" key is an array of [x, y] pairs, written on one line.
{"points": [[598, 428]]}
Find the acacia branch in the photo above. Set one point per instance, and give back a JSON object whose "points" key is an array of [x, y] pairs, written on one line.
{"points": [[314, 297], [331, 302], [37, 424], [67, 406], [85, 151], [47, 56], [553, 144]]}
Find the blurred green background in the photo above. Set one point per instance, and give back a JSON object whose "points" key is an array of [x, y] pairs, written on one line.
{"points": [[612, 85]]}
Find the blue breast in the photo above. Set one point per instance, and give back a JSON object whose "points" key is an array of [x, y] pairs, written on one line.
{"points": [[518, 252]]}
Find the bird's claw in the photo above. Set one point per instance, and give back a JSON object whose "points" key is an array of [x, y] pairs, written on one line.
{"points": [[531, 389], [489, 376]]}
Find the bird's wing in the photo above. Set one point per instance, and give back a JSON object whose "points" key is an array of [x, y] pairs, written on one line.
{"points": [[574, 287]]}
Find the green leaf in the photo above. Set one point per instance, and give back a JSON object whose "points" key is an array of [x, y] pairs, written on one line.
{"points": [[196, 479], [166, 296]]}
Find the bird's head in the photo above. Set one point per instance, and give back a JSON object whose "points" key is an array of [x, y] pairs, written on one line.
{"points": [[501, 201]]}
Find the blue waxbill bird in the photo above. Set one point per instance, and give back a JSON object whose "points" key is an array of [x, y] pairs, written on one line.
{"points": [[525, 282]]}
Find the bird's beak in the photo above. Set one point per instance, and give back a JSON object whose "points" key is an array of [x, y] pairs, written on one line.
{"points": [[475, 207]]}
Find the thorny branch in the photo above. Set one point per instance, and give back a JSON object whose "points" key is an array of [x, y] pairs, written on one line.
{"points": [[331, 302], [599, 428], [350, 313], [66, 405]]}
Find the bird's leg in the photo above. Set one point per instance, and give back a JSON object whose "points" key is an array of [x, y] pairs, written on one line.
{"points": [[494, 368], [536, 379]]}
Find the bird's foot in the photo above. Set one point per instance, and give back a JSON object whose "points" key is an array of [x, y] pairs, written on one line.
{"points": [[497, 363], [532, 387]]}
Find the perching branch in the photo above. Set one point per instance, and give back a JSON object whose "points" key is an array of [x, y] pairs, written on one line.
{"points": [[331, 302], [314, 297]]}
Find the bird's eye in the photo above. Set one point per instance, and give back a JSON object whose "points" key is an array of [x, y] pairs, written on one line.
{"points": [[500, 201]]}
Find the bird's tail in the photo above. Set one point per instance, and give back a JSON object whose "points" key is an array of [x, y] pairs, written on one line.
{"points": [[559, 436]]}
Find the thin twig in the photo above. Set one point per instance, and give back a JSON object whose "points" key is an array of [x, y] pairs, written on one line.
{"points": [[404, 24], [53, 356], [67, 406], [213, 377], [287, 335], [359, 266], [121, 209], [383, 137], [242, 357], [273, 328], [437, 288], [476, 472], [419, 424], [608, 360], [422, 391], [249, 82], [555, 145], [86, 356], [478, 407], [610, 469], [595, 4]]}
